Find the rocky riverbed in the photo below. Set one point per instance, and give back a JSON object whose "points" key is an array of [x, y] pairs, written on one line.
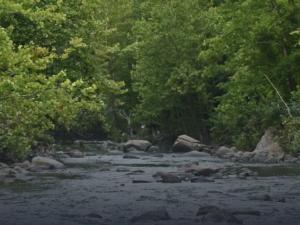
{"points": [[114, 187]]}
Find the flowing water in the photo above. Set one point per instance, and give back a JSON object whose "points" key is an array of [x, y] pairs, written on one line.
{"points": [[108, 189]]}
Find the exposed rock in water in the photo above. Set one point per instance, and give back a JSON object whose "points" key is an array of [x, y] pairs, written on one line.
{"points": [[141, 181], [168, 177], [260, 197], [185, 143], [94, 215], [76, 154], [128, 156], [156, 215], [268, 149], [154, 148], [196, 154], [140, 145], [46, 163], [225, 153], [201, 180], [216, 215], [201, 171]]}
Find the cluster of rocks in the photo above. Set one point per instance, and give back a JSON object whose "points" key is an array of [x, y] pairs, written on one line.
{"points": [[199, 174], [208, 214], [108, 146], [267, 150]]}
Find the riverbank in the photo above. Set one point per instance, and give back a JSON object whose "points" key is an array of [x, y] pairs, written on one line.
{"points": [[115, 187]]}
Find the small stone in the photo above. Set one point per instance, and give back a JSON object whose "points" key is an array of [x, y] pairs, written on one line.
{"points": [[153, 148], [168, 177], [127, 156], [201, 180], [263, 197], [3, 165], [76, 154], [122, 170], [141, 181], [94, 215], [156, 215], [217, 215], [140, 145]]}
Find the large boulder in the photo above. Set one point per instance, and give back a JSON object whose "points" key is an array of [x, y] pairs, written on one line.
{"points": [[140, 145], [185, 143], [268, 149], [46, 163]]}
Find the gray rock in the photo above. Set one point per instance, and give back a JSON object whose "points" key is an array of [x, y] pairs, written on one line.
{"points": [[3, 165], [76, 154], [201, 180], [128, 156], [141, 181], [201, 171], [156, 215], [141, 145], [216, 215], [154, 148], [247, 156], [168, 177], [94, 215], [185, 143], [224, 152], [197, 154], [122, 170], [24, 165], [248, 212], [46, 163], [268, 149], [290, 159], [260, 197]]}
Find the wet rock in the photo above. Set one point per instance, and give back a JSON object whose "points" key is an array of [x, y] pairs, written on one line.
{"points": [[122, 170], [290, 159], [140, 145], [47, 163], [249, 212], [168, 177], [247, 156], [158, 155], [216, 215], [90, 154], [154, 148], [260, 197], [3, 165], [201, 180], [76, 154], [98, 145], [224, 152], [235, 172], [155, 215], [185, 143], [201, 171], [94, 215], [141, 181], [197, 154], [128, 156], [86, 161], [281, 199], [24, 165]]}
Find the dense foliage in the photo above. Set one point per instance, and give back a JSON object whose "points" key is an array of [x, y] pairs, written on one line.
{"points": [[222, 71]]}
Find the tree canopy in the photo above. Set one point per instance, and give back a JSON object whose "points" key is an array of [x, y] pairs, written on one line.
{"points": [[222, 71]]}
